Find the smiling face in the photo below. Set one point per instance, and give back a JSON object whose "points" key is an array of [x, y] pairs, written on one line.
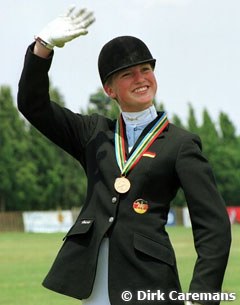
{"points": [[134, 88]]}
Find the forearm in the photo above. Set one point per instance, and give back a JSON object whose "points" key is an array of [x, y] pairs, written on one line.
{"points": [[34, 82], [41, 50]]}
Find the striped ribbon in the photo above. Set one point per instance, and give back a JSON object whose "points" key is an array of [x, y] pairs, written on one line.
{"points": [[127, 165]]}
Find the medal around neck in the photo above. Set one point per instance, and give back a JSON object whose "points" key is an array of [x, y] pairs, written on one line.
{"points": [[122, 185]]}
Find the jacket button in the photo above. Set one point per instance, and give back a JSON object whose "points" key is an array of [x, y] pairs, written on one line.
{"points": [[114, 199], [111, 219]]}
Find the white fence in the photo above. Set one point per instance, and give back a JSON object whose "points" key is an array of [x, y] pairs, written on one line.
{"points": [[47, 222]]}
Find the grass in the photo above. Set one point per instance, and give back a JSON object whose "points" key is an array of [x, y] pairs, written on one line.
{"points": [[25, 259]]}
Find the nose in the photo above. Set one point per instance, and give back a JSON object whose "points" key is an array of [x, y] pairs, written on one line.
{"points": [[139, 77]]}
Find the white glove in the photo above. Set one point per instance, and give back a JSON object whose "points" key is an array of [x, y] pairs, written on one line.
{"points": [[65, 28]]}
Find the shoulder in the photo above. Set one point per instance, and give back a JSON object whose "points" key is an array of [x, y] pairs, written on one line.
{"points": [[101, 121], [94, 123], [181, 135], [179, 131]]}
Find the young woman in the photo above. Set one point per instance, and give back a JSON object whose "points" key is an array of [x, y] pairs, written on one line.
{"points": [[118, 250]]}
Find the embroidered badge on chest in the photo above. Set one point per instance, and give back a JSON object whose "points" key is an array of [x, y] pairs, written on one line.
{"points": [[140, 206]]}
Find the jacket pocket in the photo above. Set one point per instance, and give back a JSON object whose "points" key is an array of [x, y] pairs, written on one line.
{"points": [[156, 249], [82, 226]]}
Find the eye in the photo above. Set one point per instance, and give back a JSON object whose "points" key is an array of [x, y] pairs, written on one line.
{"points": [[126, 74], [146, 69]]}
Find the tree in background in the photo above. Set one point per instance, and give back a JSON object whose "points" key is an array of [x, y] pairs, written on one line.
{"points": [[35, 174], [209, 135], [227, 161], [192, 124], [100, 103], [13, 149], [60, 178], [227, 129]]}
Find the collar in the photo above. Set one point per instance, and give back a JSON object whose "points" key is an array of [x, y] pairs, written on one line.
{"points": [[140, 118]]}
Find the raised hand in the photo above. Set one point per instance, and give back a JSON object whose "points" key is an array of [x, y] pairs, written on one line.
{"points": [[65, 28]]}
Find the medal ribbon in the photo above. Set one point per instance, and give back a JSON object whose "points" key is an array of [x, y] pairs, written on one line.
{"points": [[127, 165]]}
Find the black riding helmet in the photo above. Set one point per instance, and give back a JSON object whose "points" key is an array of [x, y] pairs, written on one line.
{"points": [[120, 53]]}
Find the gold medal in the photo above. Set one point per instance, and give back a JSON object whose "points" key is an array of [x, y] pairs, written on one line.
{"points": [[122, 185]]}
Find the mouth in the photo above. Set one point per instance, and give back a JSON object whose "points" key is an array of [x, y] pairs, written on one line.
{"points": [[141, 89]]}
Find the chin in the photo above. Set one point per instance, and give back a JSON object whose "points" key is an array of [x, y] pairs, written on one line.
{"points": [[143, 106]]}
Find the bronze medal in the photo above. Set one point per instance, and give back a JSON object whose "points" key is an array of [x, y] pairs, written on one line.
{"points": [[122, 185]]}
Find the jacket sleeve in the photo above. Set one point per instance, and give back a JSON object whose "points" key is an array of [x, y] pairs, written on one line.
{"points": [[68, 130], [210, 221]]}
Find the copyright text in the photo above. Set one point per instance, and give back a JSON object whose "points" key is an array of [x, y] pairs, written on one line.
{"points": [[158, 295]]}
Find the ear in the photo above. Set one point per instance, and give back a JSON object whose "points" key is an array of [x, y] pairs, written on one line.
{"points": [[110, 92]]}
